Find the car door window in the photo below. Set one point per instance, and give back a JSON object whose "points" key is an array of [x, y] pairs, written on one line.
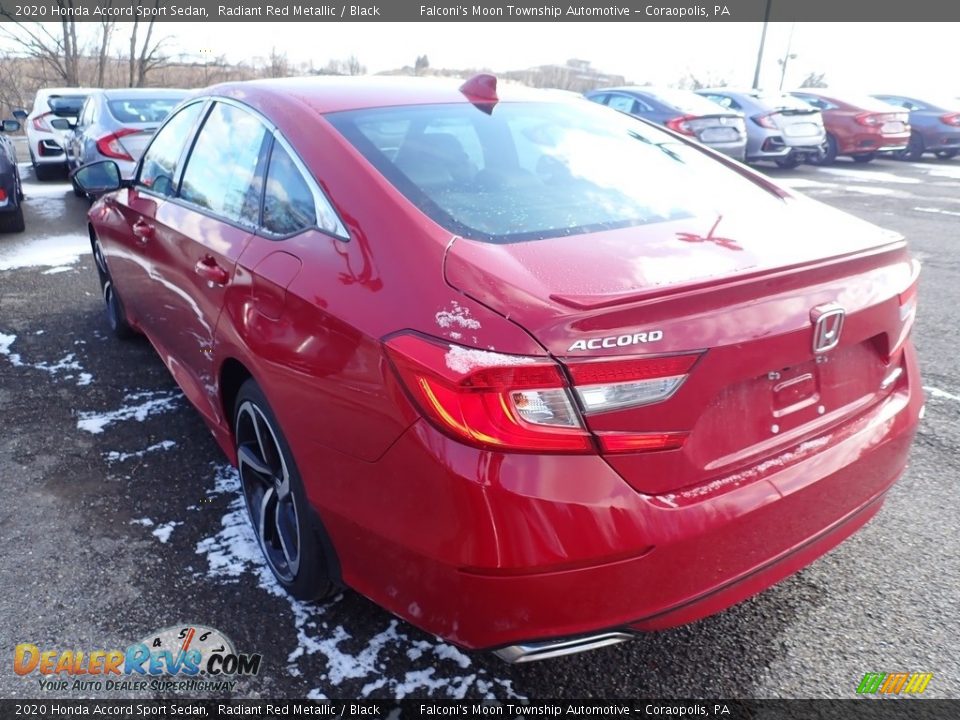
{"points": [[222, 171], [159, 167], [621, 103], [290, 203]]}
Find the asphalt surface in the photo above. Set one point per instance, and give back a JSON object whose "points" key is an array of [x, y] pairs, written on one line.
{"points": [[120, 517]]}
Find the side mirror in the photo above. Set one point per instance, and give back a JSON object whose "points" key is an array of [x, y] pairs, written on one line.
{"points": [[11, 126], [20, 114], [60, 124], [98, 178]]}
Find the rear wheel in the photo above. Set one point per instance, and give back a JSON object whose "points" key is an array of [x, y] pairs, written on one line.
{"points": [[828, 152], [947, 154], [276, 502], [913, 151], [862, 158], [47, 172], [789, 162], [12, 222], [116, 315]]}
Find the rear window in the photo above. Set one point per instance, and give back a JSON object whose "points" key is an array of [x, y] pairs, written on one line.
{"points": [[66, 105], [528, 171], [142, 110], [686, 101]]}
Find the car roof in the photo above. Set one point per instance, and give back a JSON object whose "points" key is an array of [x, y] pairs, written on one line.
{"points": [[325, 94], [129, 93]]}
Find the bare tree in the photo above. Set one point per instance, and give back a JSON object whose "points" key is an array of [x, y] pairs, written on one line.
{"points": [[695, 82], [106, 31], [149, 56], [421, 64], [350, 66], [814, 80], [278, 65], [57, 53]]}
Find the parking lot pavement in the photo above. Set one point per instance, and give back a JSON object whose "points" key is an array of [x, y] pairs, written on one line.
{"points": [[121, 517]]}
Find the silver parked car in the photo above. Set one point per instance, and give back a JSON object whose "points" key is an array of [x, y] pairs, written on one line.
{"points": [[117, 125], [780, 127], [49, 126]]}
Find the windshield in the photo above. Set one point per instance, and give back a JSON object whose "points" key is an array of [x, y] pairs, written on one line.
{"points": [[526, 171], [142, 110]]}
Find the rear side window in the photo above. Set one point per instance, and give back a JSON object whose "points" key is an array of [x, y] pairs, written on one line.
{"points": [[141, 110], [160, 160], [222, 172], [288, 203], [621, 103], [530, 171]]}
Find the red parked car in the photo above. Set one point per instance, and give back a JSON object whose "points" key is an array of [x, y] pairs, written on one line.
{"points": [[858, 125], [530, 373]]}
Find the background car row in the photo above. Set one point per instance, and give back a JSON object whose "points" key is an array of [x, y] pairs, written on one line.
{"points": [[813, 124]]}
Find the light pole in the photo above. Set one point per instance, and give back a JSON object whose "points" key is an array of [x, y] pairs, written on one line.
{"points": [[763, 39], [788, 56]]}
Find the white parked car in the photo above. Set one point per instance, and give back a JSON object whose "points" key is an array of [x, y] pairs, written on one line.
{"points": [[49, 126]]}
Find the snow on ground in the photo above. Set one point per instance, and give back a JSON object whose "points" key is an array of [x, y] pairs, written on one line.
{"points": [[137, 406], [437, 669], [114, 457], [67, 367], [941, 394], [859, 174], [45, 251], [937, 211], [163, 532]]}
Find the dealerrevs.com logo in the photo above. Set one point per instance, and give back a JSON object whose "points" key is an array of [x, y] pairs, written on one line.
{"points": [[187, 657], [894, 683]]}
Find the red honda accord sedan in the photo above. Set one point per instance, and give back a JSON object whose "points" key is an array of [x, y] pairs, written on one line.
{"points": [[530, 373]]}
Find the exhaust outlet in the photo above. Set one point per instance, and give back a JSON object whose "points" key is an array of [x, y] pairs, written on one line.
{"points": [[530, 652]]}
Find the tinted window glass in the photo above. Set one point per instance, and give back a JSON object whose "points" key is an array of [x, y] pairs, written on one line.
{"points": [[288, 203], [545, 169], [142, 110], [221, 174], [621, 103], [160, 161]]}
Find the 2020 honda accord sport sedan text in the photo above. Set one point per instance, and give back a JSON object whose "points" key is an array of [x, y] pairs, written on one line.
{"points": [[528, 372]]}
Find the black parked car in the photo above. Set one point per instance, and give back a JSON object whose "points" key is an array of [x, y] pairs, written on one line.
{"points": [[11, 190]]}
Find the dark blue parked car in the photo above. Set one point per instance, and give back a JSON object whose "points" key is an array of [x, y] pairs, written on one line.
{"points": [[935, 126], [11, 191], [682, 111]]}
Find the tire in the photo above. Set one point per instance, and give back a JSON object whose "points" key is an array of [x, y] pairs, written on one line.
{"points": [[946, 154], [828, 152], [789, 162], [12, 222], [77, 191], [913, 151], [290, 536], [44, 173], [863, 158], [116, 315]]}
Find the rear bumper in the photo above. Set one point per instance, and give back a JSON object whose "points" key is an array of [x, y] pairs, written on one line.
{"points": [[491, 550], [941, 139], [862, 143]]}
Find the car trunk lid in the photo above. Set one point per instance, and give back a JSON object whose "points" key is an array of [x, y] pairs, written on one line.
{"points": [[744, 295]]}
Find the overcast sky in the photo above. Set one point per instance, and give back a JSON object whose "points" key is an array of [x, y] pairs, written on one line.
{"points": [[870, 57]]}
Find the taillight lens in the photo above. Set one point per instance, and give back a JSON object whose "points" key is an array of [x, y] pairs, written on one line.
{"points": [[523, 403], [869, 119], [908, 302], [109, 145], [3, 196], [682, 125], [40, 123], [765, 121], [605, 385], [952, 119], [490, 399]]}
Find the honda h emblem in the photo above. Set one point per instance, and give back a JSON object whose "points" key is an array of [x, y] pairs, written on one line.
{"points": [[827, 324]]}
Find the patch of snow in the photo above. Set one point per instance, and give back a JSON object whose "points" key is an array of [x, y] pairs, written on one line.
{"points": [[871, 190], [457, 316], [234, 551], [47, 190], [44, 251], [5, 342], [47, 206], [464, 360], [800, 182], [864, 175], [941, 394], [84, 378], [113, 456], [946, 171], [57, 270], [937, 211], [66, 363], [162, 532], [146, 522], [139, 406]]}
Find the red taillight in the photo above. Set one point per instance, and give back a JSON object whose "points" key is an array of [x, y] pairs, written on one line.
{"points": [[3, 195], [869, 119], [524, 403], [952, 119], [765, 121], [682, 124], [40, 123], [109, 145], [908, 301]]}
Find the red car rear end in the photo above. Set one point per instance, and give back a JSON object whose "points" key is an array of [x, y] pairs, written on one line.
{"points": [[859, 126], [550, 375]]}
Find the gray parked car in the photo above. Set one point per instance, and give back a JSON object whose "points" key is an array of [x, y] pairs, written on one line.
{"points": [[682, 111], [934, 125], [11, 190], [117, 125], [780, 128]]}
